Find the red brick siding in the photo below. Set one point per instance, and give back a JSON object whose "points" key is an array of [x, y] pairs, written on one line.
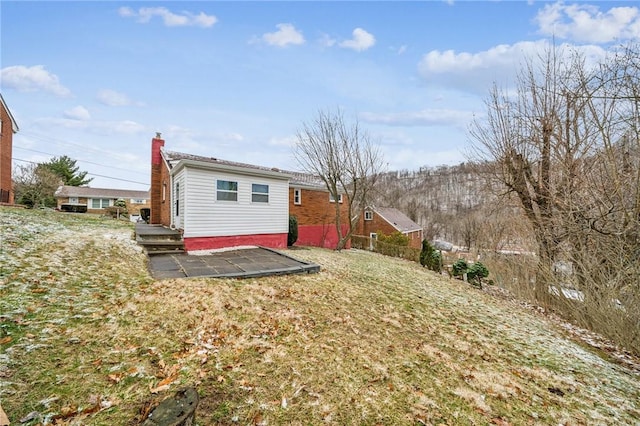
{"points": [[6, 147], [378, 224]]}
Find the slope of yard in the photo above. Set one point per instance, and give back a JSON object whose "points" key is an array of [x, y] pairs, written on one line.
{"points": [[87, 337]]}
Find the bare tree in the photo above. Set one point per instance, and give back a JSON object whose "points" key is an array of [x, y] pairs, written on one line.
{"points": [[35, 185], [343, 156]]}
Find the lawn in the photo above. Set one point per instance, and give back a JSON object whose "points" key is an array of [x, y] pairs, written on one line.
{"points": [[88, 337]]}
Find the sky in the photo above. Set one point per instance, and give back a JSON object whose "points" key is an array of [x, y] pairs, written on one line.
{"points": [[95, 80]]}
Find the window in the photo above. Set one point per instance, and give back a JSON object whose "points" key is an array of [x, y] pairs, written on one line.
{"points": [[138, 201], [73, 200], [297, 196], [100, 203], [333, 200], [368, 215], [227, 190], [164, 191], [259, 193]]}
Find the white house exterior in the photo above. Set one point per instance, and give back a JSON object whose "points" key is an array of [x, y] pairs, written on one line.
{"points": [[217, 203]]}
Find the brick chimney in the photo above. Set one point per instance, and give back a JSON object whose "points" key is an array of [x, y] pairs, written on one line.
{"points": [[156, 179]]}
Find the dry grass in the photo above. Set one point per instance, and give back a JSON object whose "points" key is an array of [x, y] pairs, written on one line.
{"points": [[90, 338]]}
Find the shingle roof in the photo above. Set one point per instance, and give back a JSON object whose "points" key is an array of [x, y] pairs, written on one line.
{"points": [[398, 219], [88, 192]]}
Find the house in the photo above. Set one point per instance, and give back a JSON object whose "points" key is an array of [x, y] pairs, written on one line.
{"points": [[315, 209], [388, 220], [96, 200], [8, 127], [217, 203]]}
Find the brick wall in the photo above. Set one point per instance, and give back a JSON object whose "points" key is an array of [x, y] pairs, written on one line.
{"points": [[378, 224], [315, 209], [6, 146], [156, 180]]}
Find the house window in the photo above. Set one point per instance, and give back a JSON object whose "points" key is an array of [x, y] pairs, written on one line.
{"points": [[368, 215], [297, 196], [73, 200], [164, 191], [138, 201], [100, 203], [259, 193], [333, 200], [227, 190]]}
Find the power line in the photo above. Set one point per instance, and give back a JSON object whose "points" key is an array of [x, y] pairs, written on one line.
{"points": [[84, 161], [88, 173]]}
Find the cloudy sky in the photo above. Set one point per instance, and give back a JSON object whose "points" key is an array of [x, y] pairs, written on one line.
{"points": [[95, 80]]}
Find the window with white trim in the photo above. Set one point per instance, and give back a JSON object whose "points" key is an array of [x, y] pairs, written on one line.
{"points": [[297, 196], [368, 215], [259, 193], [333, 200], [137, 201], [73, 200], [227, 190], [100, 203]]}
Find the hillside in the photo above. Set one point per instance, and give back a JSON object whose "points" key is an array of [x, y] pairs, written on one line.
{"points": [[88, 337]]}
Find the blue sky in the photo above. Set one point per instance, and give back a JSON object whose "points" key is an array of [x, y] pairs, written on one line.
{"points": [[235, 80]]}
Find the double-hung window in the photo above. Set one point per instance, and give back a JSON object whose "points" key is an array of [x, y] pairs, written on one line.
{"points": [[259, 193], [100, 203], [227, 190], [297, 196], [368, 215], [333, 200]]}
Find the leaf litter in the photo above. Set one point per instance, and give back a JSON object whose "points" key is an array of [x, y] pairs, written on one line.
{"points": [[368, 340]]}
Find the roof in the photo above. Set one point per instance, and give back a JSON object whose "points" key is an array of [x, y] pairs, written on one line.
{"points": [[176, 159], [295, 178], [14, 125], [397, 219], [88, 192]]}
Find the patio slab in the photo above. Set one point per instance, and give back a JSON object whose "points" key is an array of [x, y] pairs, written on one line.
{"points": [[238, 263]]}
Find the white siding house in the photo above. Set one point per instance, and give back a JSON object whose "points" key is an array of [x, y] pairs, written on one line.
{"points": [[220, 204]]}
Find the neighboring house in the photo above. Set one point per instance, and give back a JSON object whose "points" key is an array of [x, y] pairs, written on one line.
{"points": [[315, 210], [8, 127], [388, 220], [217, 203], [96, 200]]}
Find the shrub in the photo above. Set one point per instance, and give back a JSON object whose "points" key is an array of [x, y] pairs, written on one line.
{"points": [[292, 236], [396, 239], [459, 267], [430, 257], [120, 203], [477, 272]]}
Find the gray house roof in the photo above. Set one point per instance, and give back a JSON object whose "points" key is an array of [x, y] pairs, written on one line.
{"points": [[66, 191], [397, 219]]}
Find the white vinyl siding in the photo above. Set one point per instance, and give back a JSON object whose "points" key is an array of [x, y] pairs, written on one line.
{"points": [[204, 216]]}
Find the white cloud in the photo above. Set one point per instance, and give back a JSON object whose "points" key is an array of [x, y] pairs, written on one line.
{"points": [[587, 23], [286, 34], [477, 71], [287, 141], [361, 40], [325, 40], [427, 117], [77, 113], [170, 19], [113, 98], [32, 79], [124, 127]]}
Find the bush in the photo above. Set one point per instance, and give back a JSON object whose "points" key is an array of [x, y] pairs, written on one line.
{"points": [[459, 267], [292, 236], [395, 239], [430, 257], [477, 272]]}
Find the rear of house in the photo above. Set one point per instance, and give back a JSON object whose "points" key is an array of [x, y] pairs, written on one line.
{"points": [[315, 209], [217, 203], [84, 199]]}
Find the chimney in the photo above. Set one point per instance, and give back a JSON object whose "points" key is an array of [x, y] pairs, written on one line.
{"points": [[156, 179]]}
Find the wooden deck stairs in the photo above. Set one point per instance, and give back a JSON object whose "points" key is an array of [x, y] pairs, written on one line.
{"points": [[158, 239]]}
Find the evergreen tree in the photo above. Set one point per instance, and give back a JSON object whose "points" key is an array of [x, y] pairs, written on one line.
{"points": [[67, 170]]}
